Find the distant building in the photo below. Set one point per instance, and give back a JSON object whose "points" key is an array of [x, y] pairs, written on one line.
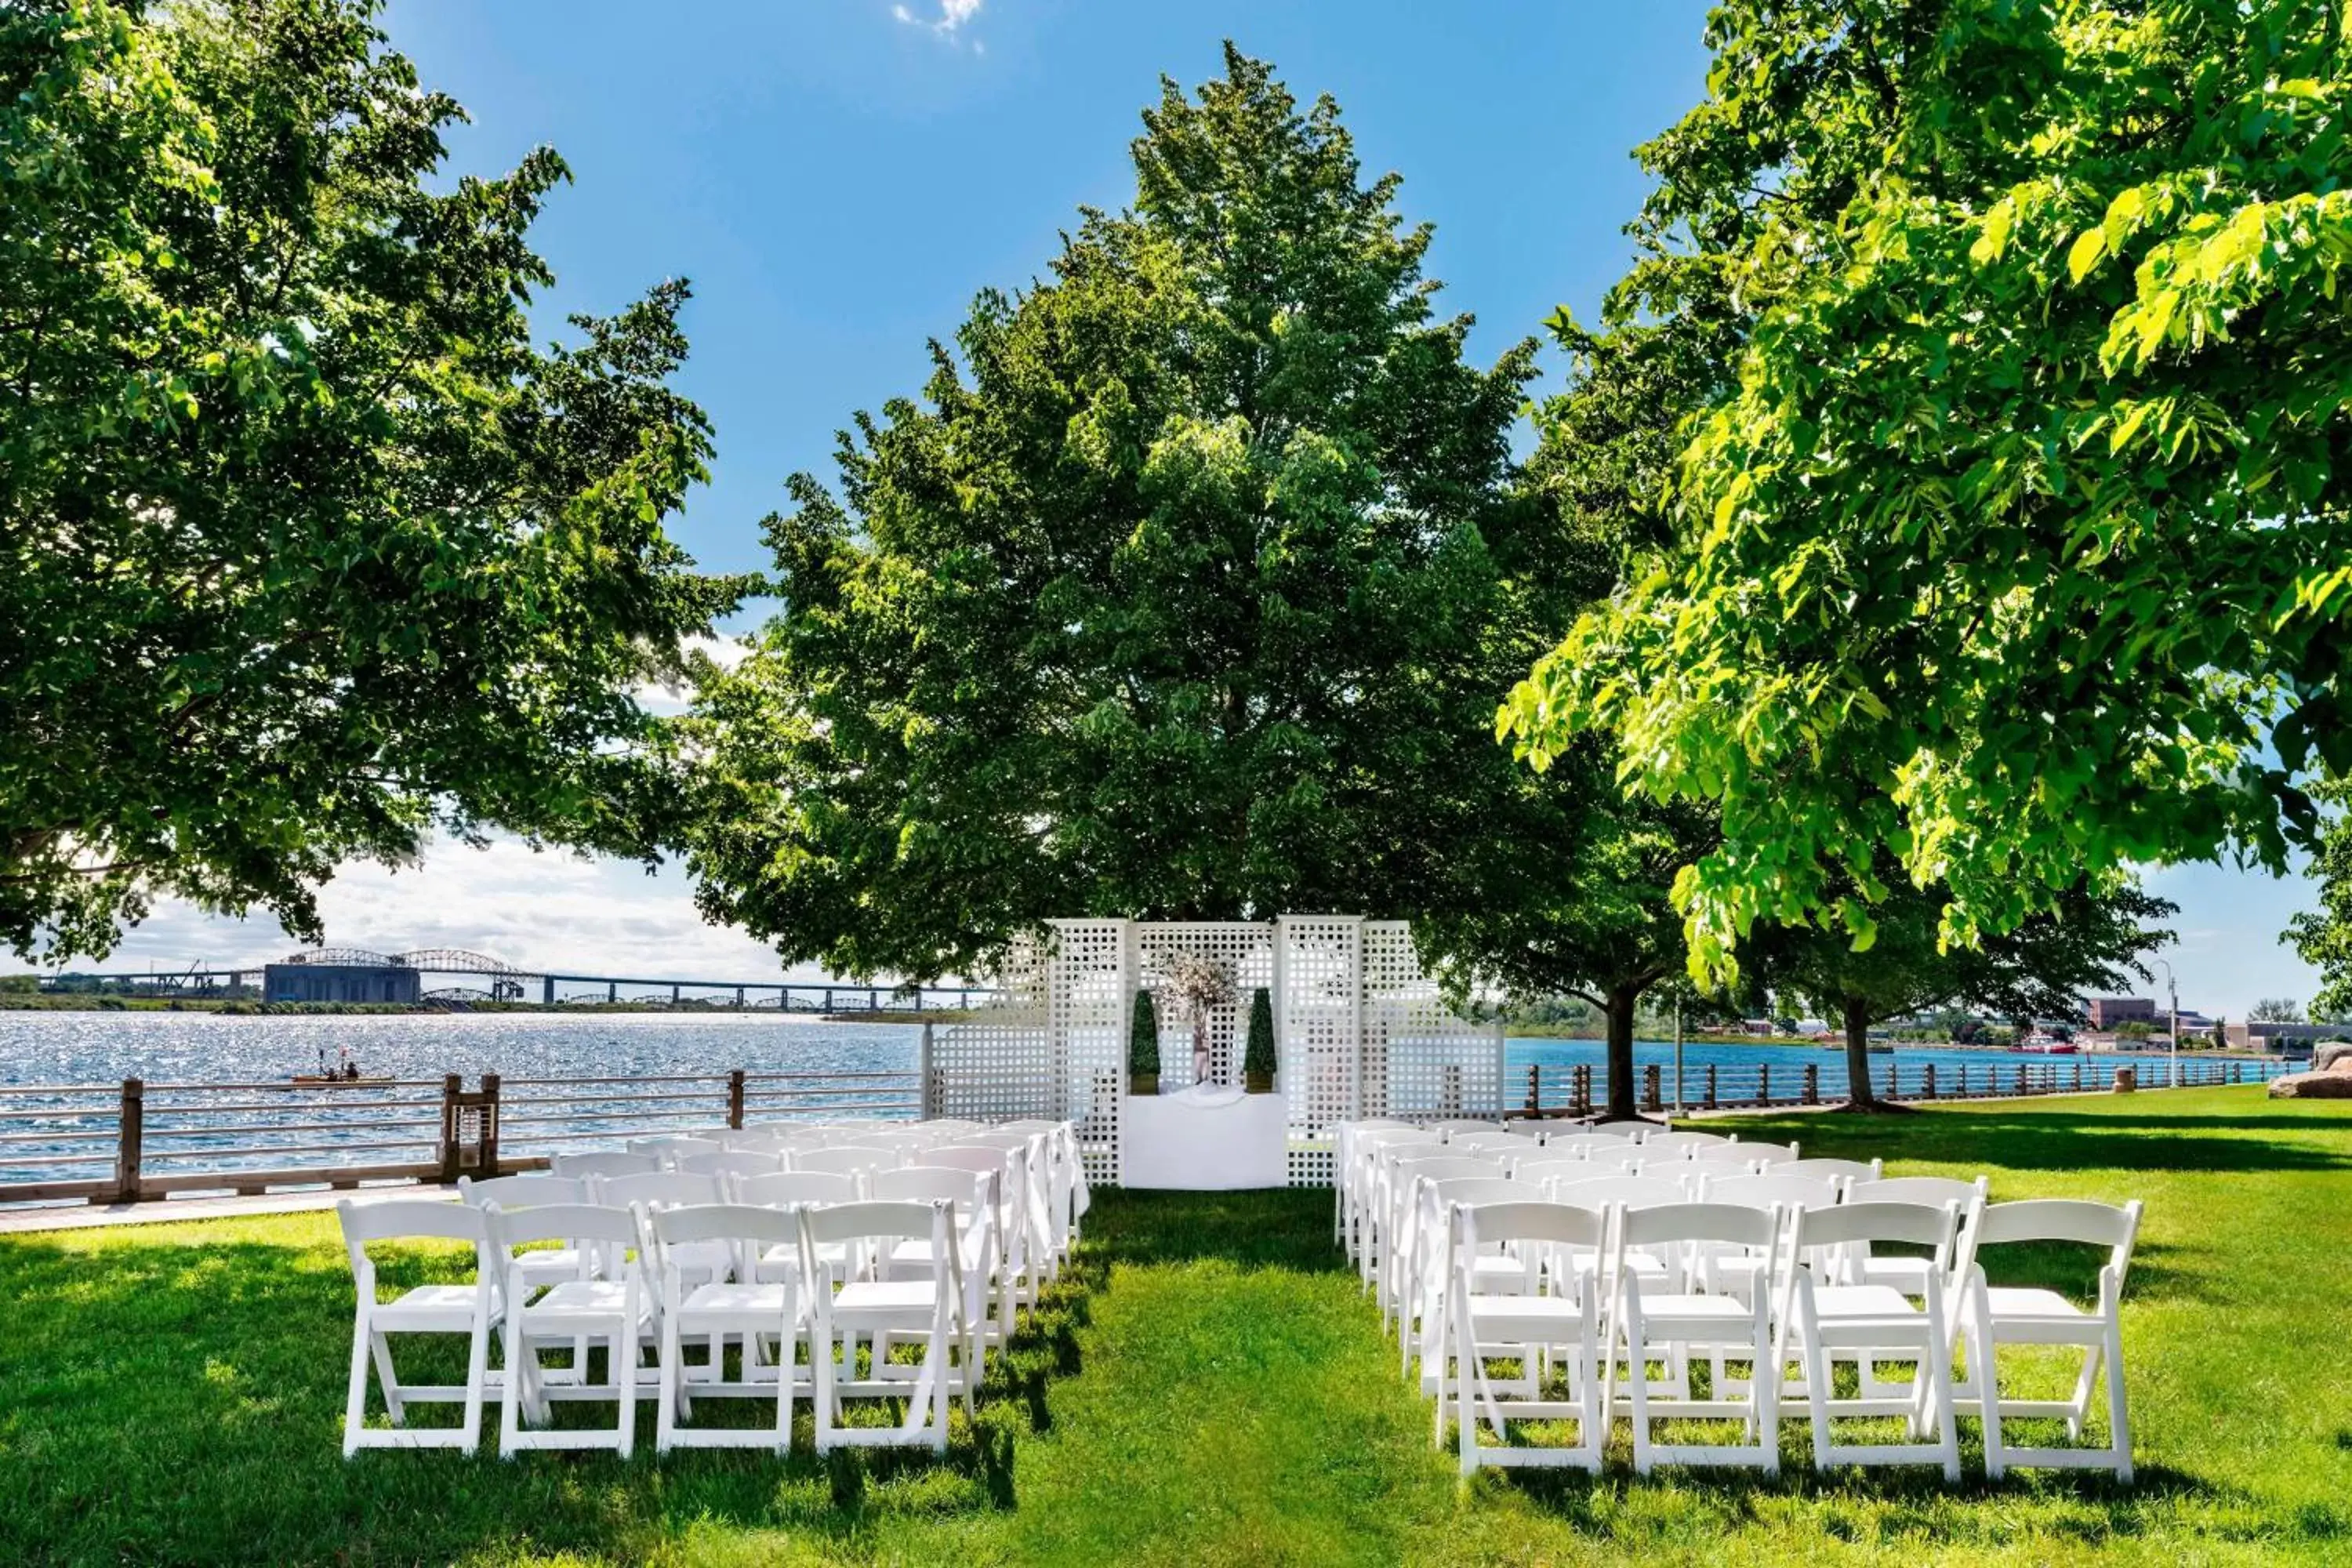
{"points": [[2106, 1011], [2285, 1039], [340, 982]]}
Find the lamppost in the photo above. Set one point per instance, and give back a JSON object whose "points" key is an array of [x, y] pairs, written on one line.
{"points": [[1678, 1057], [2172, 992]]}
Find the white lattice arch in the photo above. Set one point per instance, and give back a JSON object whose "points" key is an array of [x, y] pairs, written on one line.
{"points": [[1359, 1031]]}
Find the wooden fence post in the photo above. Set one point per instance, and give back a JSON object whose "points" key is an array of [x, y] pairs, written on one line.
{"points": [[486, 1152], [1711, 1101], [452, 1125], [1812, 1083], [1651, 1099], [1535, 1090], [132, 1130], [1892, 1087], [1764, 1084], [735, 1099], [1580, 1089], [1927, 1081], [2020, 1080], [926, 1093], [2078, 1075]]}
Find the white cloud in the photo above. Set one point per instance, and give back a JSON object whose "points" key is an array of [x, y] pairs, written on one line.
{"points": [[953, 15], [549, 909]]}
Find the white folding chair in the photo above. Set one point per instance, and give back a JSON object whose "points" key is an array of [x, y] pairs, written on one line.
{"points": [[795, 1189], [664, 1190], [1357, 1179], [1711, 1165], [1019, 1266], [1661, 1146], [1396, 1237], [471, 1310], [617, 1311], [1533, 1127], [1426, 1266], [580, 1167], [928, 1310], [1452, 1125], [1549, 1323], [1769, 1153], [1908, 1274], [1873, 1322], [1510, 1145], [1669, 1318], [976, 1212], [1590, 1146], [2013, 1315], [747, 1307]]}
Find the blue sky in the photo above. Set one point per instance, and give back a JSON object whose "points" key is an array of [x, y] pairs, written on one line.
{"points": [[838, 177]]}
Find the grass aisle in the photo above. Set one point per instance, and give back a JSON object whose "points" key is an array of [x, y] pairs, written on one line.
{"points": [[1208, 1387]]}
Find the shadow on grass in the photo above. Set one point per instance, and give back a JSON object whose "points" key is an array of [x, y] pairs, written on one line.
{"points": [[168, 1402]]}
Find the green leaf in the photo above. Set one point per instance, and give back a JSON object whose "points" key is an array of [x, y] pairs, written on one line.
{"points": [[2089, 247]]}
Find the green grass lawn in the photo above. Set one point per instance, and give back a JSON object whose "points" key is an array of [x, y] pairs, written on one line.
{"points": [[1208, 1387]]}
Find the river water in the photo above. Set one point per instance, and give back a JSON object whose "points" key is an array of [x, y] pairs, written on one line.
{"points": [[203, 1047]]}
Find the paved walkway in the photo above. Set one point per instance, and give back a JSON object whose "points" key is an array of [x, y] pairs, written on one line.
{"points": [[80, 1217]]}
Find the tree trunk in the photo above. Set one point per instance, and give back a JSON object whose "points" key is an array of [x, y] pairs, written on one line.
{"points": [[1858, 1092], [1621, 1107]]}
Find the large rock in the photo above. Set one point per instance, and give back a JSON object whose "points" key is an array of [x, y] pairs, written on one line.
{"points": [[2313, 1085], [2336, 1057]]}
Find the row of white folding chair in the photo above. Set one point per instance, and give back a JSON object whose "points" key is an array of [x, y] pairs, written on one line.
{"points": [[622, 1306], [1591, 1323], [1823, 1315]]}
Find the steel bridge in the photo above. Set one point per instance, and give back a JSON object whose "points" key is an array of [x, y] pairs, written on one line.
{"points": [[503, 981]]}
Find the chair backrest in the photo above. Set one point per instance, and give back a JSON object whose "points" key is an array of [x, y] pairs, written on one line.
{"points": [[1449, 1167], [732, 1162], [1565, 1225], [1442, 1195], [846, 1161], [785, 1188], [872, 1221], [1567, 1168], [1849, 1169], [1633, 1191], [421, 1218], [967, 1190], [1530, 1126], [725, 1222], [1794, 1192], [604, 1163], [1771, 1153], [1585, 1145], [1467, 1124], [1495, 1142], [522, 1192], [2060, 1219], [669, 1151], [1686, 1146], [1935, 1190], [1915, 1224], [1727, 1223], [562, 1222], [664, 1189], [1717, 1166], [966, 1157], [1637, 1131]]}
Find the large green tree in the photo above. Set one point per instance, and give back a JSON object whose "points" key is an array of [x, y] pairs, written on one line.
{"points": [[2094, 938], [2323, 937], [1185, 591], [305, 548], [2021, 539]]}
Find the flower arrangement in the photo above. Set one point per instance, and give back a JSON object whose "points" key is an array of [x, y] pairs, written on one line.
{"points": [[1199, 984]]}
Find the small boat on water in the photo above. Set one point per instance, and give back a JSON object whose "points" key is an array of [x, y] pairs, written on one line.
{"points": [[335, 1080], [2038, 1044]]}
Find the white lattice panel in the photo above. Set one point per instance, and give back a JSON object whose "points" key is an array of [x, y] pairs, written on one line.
{"points": [[1246, 950], [996, 1067], [1087, 987], [1420, 1062], [1319, 1024]]}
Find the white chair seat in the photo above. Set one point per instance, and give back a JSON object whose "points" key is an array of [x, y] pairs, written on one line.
{"points": [[733, 1306], [1668, 1316], [863, 1299], [2020, 1305], [598, 1301], [1511, 1319], [427, 1309], [1852, 1304]]}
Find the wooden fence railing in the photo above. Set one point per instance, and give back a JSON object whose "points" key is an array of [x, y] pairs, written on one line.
{"points": [[1575, 1089], [122, 1144]]}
